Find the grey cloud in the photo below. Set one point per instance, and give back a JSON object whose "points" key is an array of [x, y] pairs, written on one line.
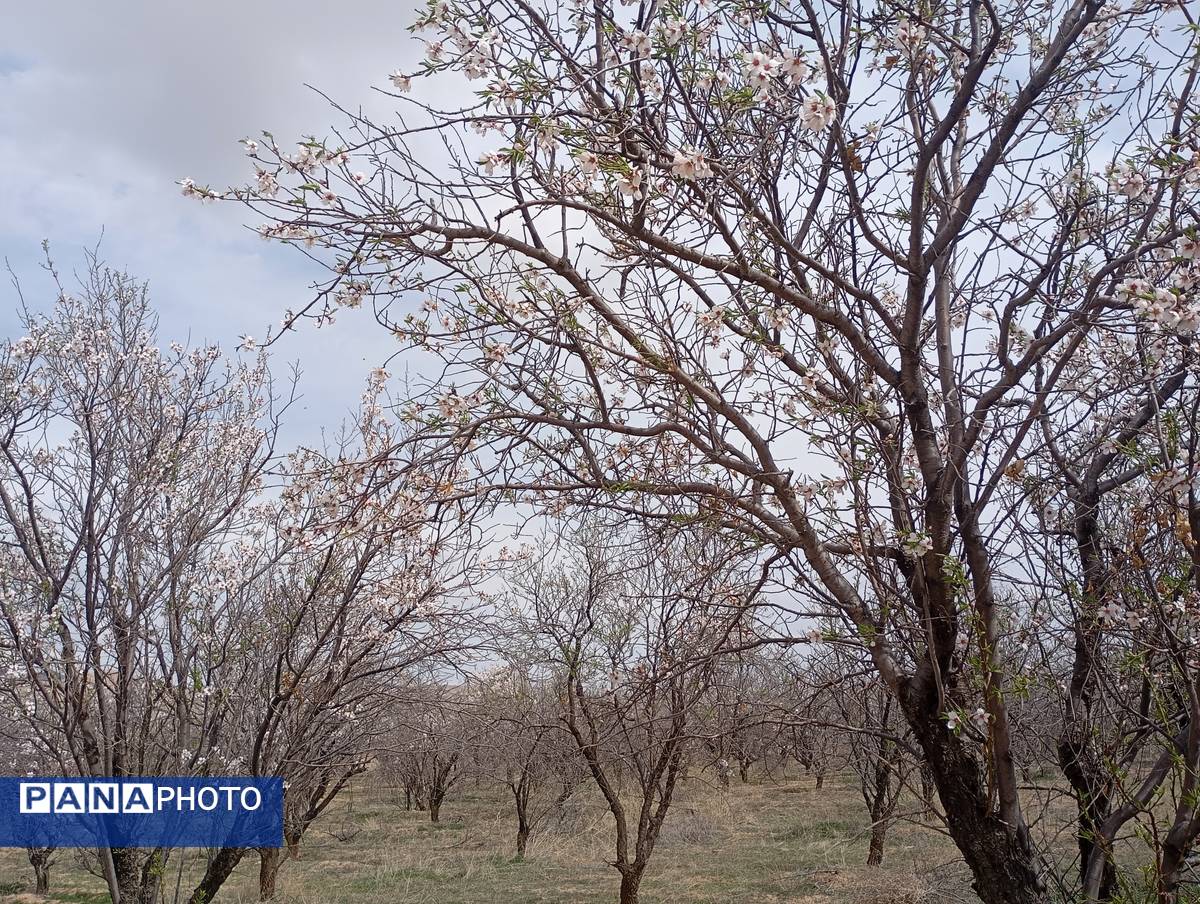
{"points": [[104, 106]]}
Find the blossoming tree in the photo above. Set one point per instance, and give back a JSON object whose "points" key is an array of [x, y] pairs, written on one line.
{"points": [[825, 276], [127, 478], [626, 624], [178, 599]]}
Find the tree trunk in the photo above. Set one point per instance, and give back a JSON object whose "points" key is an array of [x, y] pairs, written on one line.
{"points": [[1001, 857], [928, 792], [522, 826], [39, 859], [631, 882], [435, 810], [744, 772], [138, 874], [878, 836], [269, 861], [880, 802], [215, 874], [1168, 876], [1092, 798]]}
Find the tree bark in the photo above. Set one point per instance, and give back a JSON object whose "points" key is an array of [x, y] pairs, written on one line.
{"points": [[522, 830], [631, 882], [269, 861], [878, 837], [215, 874], [1090, 790], [39, 859], [1001, 857], [138, 874]]}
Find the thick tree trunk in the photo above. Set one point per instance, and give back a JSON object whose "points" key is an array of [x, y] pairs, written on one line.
{"points": [[39, 859], [1000, 856], [269, 861], [631, 883], [435, 810], [878, 837], [218, 870], [1092, 805], [138, 874], [1168, 877]]}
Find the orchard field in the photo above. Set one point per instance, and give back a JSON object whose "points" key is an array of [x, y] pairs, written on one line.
{"points": [[578, 411], [767, 842]]}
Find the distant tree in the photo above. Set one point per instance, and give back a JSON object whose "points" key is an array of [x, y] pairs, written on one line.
{"points": [[745, 710], [176, 598], [625, 621], [21, 755], [363, 600], [429, 743], [523, 744]]}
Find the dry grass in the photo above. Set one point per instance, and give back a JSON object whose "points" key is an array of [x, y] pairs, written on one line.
{"points": [[764, 843]]}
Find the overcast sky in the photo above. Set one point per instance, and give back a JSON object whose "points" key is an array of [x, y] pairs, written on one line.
{"points": [[104, 106]]}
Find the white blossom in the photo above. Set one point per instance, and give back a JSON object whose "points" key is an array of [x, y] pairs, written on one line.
{"points": [[636, 43], [795, 68], [817, 112], [490, 160], [631, 184], [691, 164]]}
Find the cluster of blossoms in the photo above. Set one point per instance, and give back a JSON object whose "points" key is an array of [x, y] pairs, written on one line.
{"points": [[1171, 308], [1113, 614], [980, 719], [497, 352], [288, 232], [817, 112], [630, 184], [313, 156], [910, 35], [351, 294], [691, 164], [190, 189], [1125, 180], [1095, 34], [761, 69], [636, 44], [710, 323], [916, 545], [490, 160], [453, 406]]}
